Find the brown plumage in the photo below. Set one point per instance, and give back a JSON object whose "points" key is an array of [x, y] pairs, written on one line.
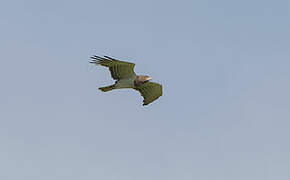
{"points": [[123, 73]]}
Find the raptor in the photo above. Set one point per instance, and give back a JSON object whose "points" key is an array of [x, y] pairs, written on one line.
{"points": [[123, 73]]}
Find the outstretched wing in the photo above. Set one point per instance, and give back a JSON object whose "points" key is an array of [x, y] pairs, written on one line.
{"points": [[150, 91], [118, 69]]}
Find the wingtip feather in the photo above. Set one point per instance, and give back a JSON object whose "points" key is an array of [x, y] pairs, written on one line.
{"points": [[97, 62], [108, 57]]}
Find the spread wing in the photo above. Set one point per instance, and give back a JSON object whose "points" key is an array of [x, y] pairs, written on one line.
{"points": [[150, 91], [118, 69]]}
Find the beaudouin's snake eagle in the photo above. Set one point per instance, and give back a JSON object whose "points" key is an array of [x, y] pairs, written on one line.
{"points": [[123, 73]]}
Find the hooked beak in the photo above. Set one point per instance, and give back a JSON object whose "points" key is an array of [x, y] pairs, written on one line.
{"points": [[148, 78]]}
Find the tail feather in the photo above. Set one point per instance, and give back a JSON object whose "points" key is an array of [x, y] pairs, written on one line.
{"points": [[107, 88]]}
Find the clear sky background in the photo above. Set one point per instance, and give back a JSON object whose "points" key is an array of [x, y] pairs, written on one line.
{"points": [[225, 70]]}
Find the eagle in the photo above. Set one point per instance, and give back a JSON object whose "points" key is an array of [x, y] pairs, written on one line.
{"points": [[123, 73]]}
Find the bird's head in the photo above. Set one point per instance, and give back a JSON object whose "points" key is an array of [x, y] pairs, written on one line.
{"points": [[147, 78], [143, 78]]}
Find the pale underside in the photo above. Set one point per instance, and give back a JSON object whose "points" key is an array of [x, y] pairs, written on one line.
{"points": [[123, 73], [125, 83]]}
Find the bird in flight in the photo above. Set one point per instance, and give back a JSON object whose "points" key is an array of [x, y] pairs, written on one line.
{"points": [[123, 73]]}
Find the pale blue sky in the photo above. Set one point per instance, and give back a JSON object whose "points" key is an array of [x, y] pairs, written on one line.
{"points": [[225, 70]]}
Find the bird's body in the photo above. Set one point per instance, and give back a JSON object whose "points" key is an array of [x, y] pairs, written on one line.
{"points": [[125, 77], [126, 83]]}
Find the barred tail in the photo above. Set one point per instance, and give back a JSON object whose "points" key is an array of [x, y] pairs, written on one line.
{"points": [[107, 88]]}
